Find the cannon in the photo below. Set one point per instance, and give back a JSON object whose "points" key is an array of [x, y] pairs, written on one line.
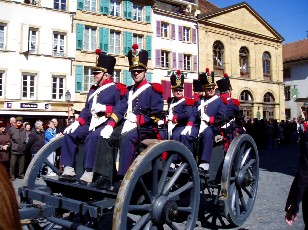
{"points": [[152, 194]]}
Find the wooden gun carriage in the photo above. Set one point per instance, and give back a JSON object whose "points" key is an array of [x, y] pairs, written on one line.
{"points": [[152, 195]]}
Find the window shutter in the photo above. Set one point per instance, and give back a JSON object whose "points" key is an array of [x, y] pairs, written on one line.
{"points": [[148, 45], [128, 10], [128, 42], [188, 90], [104, 6], [174, 60], [148, 11], [167, 89], [158, 24], [149, 76], [173, 32], [157, 58], [79, 76], [194, 36], [80, 5], [181, 61], [195, 60], [104, 39], [79, 36], [180, 33], [127, 79]]}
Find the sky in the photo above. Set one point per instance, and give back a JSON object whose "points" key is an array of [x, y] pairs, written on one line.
{"points": [[288, 18]]}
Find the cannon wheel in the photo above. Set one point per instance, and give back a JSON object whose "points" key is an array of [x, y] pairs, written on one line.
{"points": [[239, 182], [155, 194], [39, 159]]}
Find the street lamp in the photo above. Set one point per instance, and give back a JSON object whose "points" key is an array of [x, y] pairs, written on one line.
{"points": [[68, 100]]}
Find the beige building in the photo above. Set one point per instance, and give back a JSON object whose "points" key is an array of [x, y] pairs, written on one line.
{"points": [[237, 41]]}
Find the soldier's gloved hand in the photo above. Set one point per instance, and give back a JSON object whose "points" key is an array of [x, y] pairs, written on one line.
{"points": [[160, 122], [98, 108], [107, 131], [205, 118], [131, 117], [72, 127], [187, 130]]}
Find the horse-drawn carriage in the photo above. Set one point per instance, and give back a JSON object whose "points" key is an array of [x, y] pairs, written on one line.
{"points": [[152, 195]]}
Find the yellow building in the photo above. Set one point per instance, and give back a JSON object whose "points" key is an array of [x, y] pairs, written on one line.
{"points": [[236, 40]]}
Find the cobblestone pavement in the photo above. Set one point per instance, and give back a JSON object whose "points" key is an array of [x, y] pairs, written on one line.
{"points": [[277, 169]]}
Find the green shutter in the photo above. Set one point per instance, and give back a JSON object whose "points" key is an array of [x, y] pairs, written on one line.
{"points": [[79, 76], [80, 5], [127, 78], [128, 42], [149, 76], [79, 36], [104, 39], [104, 6], [128, 9], [148, 45], [147, 10]]}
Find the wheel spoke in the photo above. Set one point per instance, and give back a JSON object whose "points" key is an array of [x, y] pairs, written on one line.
{"points": [[237, 203], [242, 200], [154, 190], [247, 192], [145, 190], [143, 207], [177, 192], [250, 163], [148, 226], [143, 220], [245, 156], [185, 209], [164, 175], [239, 156], [173, 179], [172, 226]]}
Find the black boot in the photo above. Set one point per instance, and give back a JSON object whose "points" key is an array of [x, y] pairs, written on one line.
{"points": [[100, 182]]}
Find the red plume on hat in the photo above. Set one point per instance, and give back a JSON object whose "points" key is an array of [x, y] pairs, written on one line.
{"points": [[225, 75], [98, 51], [207, 70], [178, 72], [135, 47]]}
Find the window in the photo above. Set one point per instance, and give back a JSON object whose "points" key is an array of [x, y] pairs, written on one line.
{"points": [[288, 113], [88, 79], [268, 97], [34, 2], [218, 53], [266, 59], [114, 42], [287, 93], [115, 8], [164, 33], [138, 39], [2, 36], [246, 96], [90, 5], [187, 62], [243, 56], [164, 59], [116, 75], [58, 48], [186, 34], [89, 38], [58, 87], [286, 73], [33, 40], [28, 86], [1, 84], [59, 5], [137, 13]]}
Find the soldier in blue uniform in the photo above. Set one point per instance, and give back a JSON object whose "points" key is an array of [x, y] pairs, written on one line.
{"points": [[182, 113], [99, 106], [211, 110], [138, 106]]}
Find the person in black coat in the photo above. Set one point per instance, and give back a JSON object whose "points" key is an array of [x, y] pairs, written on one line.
{"points": [[299, 189], [36, 138]]}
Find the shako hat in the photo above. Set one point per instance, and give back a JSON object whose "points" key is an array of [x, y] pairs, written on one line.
{"points": [[137, 58], [197, 86], [224, 83], [104, 63], [207, 79], [177, 80]]}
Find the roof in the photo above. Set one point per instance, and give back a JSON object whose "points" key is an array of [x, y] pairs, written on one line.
{"points": [[206, 7], [295, 51]]}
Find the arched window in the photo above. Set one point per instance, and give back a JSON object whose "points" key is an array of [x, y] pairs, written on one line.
{"points": [[246, 96], [244, 65], [268, 107], [246, 104], [266, 59], [269, 98], [218, 58]]}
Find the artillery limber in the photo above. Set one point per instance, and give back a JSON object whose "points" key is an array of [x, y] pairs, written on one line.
{"points": [[152, 195]]}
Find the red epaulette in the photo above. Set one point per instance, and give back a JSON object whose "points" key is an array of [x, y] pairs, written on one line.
{"points": [[122, 88], [158, 88], [236, 102], [224, 100], [190, 101], [169, 100]]}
